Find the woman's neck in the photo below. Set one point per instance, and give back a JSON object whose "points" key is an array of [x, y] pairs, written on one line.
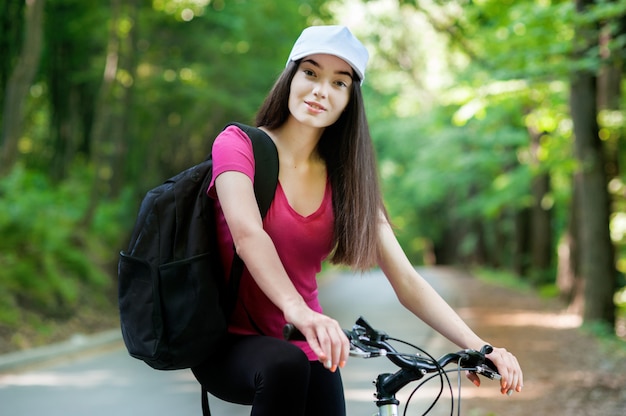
{"points": [[297, 142]]}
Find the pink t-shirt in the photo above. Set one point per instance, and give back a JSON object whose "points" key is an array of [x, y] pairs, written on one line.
{"points": [[302, 242]]}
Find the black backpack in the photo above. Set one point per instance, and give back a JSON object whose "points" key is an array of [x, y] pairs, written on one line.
{"points": [[173, 300]]}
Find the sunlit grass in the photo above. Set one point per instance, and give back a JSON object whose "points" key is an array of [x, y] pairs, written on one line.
{"points": [[502, 278], [509, 280], [611, 342]]}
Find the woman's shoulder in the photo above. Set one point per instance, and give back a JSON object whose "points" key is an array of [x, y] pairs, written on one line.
{"points": [[233, 138], [232, 132], [231, 151]]}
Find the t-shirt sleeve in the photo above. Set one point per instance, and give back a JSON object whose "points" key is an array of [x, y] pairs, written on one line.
{"points": [[232, 151]]}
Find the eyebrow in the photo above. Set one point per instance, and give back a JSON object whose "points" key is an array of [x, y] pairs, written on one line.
{"points": [[315, 63]]}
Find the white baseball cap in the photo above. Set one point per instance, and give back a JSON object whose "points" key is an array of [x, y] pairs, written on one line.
{"points": [[332, 40]]}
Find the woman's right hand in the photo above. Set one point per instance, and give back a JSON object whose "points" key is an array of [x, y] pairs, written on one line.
{"points": [[324, 335]]}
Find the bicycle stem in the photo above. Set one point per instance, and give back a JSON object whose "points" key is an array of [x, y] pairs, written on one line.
{"points": [[387, 384]]}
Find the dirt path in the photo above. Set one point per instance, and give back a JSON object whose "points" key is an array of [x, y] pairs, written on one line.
{"points": [[565, 371]]}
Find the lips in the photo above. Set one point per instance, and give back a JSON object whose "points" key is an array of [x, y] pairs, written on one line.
{"points": [[315, 106]]}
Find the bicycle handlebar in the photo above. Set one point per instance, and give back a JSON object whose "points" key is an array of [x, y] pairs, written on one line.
{"points": [[367, 342]]}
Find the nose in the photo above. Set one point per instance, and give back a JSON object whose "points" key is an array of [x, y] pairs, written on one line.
{"points": [[319, 90]]}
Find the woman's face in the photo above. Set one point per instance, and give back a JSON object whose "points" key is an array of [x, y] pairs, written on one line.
{"points": [[320, 90]]}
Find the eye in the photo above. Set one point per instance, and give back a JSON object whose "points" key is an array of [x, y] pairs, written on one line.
{"points": [[308, 72]]}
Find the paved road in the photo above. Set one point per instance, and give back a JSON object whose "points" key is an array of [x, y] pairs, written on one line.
{"points": [[109, 382]]}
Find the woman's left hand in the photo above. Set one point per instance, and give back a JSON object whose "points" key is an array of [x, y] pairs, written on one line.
{"points": [[508, 367]]}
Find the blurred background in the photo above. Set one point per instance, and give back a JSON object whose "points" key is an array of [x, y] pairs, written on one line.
{"points": [[499, 127]]}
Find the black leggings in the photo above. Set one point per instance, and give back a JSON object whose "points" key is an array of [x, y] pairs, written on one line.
{"points": [[273, 376]]}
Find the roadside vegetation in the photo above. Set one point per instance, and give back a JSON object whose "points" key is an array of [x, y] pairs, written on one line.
{"points": [[499, 127]]}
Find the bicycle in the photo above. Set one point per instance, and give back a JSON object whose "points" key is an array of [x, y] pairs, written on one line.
{"points": [[367, 342]]}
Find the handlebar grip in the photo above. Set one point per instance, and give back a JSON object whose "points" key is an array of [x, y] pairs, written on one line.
{"points": [[486, 349], [291, 333]]}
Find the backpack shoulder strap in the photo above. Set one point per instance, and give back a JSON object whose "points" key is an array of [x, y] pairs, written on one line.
{"points": [[265, 182], [266, 166]]}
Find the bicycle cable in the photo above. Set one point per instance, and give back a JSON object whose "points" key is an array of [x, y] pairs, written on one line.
{"points": [[441, 373], [435, 400], [458, 382], [444, 374]]}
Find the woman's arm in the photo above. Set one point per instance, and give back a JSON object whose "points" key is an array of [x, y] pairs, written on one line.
{"points": [[255, 247], [420, 298]]}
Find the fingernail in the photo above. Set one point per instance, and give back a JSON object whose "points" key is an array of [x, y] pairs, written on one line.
{"points": [[342, 364], [510, 392], [328, 364], [333, 369]]}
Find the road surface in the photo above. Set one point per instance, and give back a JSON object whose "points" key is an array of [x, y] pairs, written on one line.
{"points": [[109, 382]]}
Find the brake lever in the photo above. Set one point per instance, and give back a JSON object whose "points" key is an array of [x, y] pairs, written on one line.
{"points": [[485, 367], [485, 371], [358, 349]]}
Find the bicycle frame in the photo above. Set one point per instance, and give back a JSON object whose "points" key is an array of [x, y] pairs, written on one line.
{"points": [[388, 410], [387, 385]]}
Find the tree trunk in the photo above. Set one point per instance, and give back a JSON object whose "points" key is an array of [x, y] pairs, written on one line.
{"points": [[541, 218], [596, 250], [128, 61], [520, 263], [569, 280], [541, 245], [19, 84], [610, 90], [610, 78], [11, 40], [103, 119]]}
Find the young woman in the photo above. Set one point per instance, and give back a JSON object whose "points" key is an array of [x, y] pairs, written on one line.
{"points": [[327, 205]]}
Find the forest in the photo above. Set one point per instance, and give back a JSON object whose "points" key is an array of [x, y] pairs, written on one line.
{"points": [[498, 125]]}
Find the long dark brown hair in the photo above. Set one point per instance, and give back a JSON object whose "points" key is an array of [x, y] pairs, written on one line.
{"points": [[346, 148]]}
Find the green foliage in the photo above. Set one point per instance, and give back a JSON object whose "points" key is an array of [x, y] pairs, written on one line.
{"points": [[606, 335], [200, 65], [180, 70], [435, 173], [11, 37], [455, 90], [620, 301], [112, 222], [501, 278], [459, 154], [526, 39], [47, 259]]}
